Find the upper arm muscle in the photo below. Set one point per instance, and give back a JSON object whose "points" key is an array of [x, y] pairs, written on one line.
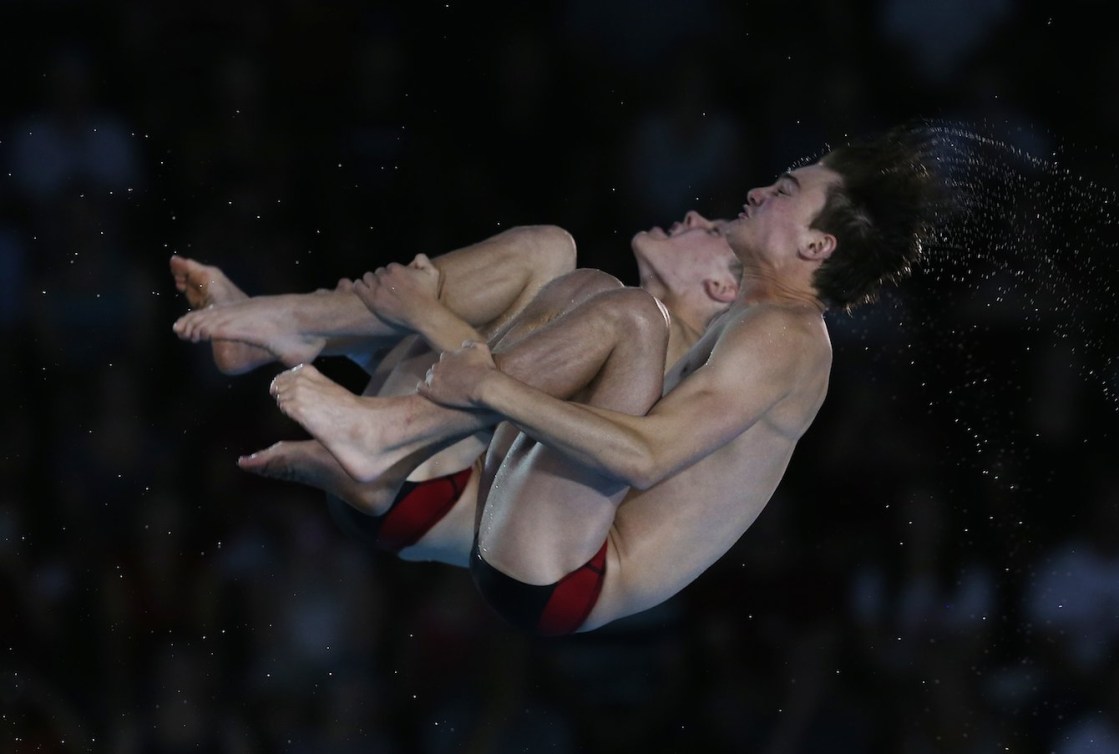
{"points": [[751, 368]]}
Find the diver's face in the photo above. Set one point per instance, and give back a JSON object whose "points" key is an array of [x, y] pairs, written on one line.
{"points": [[776, 219], [696, 239], [688, 253]]}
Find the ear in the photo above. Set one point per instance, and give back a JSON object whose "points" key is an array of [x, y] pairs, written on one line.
{"points": [[819, 247], [722, 290]]}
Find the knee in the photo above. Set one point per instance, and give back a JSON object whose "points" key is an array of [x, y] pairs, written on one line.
{"points": [[634, 311], [573, 289], [585, 283], [548, 250]]}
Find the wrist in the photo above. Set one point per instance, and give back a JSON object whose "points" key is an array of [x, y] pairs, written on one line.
{"points": [[443, 330], [488, 390]]}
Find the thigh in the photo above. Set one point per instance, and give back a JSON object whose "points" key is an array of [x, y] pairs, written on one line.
{"points": [[555, 299], [545, 515], [401, 368], [490, 282]]}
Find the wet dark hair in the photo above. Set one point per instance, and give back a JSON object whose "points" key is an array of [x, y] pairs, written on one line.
{"points": [[879, 214]]}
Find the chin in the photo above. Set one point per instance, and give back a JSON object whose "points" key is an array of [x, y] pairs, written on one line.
{"points": [[640, 238]]}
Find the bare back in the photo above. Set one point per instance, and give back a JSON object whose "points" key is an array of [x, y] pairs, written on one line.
{"points": [[668, 534]]}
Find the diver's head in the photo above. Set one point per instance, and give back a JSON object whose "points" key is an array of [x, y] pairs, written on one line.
{"points": [[775, 236], [690, 264]]}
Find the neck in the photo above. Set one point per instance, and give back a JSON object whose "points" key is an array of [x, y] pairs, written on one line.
{"points": [[689, 316], [681, 337], [759, 289]]}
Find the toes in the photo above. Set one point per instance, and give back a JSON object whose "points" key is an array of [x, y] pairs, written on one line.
{"points": [[298, 391], [184, 327], [285, 381], [260, 458]]}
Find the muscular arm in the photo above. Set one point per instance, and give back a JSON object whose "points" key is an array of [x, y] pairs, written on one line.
{"points": [[443, 330], [754, 364]]}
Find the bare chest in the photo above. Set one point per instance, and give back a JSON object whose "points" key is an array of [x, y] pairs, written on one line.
{"points": [[695, 358]]}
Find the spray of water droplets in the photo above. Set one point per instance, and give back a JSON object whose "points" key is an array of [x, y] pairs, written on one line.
{"points": [[1015, 287], [1032, 241]]}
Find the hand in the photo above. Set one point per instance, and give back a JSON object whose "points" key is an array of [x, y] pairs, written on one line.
{"points": [[455, 380], [401, 295]]}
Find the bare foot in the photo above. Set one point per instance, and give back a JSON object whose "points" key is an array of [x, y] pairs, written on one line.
{"points": [[262, 321], [205, 286], [356, 430], [308, 462]]}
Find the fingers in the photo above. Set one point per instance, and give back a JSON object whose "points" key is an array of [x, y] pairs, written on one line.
{"points": [[474, 345], [363, 286], [430, 387]]}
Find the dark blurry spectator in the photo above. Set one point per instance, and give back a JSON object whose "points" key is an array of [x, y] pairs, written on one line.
{"points": [[929, 593], [326, 603], [377, 133], [1096, 731], [635, 35], [13, 280], [184, 709], [939, 37], [353, 718], [925, 614], [72, 143], [686, 148], [1074, 599]]}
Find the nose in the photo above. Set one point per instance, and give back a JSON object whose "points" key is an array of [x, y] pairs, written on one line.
{"points": [[755, 196], [693, 219]]}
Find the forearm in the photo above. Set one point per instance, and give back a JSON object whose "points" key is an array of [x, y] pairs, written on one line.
{"points": [[443, 330], [613, 444]]}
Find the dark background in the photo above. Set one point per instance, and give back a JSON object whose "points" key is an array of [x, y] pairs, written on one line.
{"points": [[939, 571]]}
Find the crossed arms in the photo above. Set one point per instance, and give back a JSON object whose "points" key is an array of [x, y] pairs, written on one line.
{"points": [[759, 356]]}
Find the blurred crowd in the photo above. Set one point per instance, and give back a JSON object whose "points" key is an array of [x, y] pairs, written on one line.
{"points": [[938, 572]]}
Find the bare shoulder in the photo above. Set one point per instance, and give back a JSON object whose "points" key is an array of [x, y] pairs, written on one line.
{"points": [[795, 336], [755, 359]]}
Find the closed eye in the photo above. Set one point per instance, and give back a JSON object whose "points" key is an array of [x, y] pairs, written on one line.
{"points": [[787, 183]]}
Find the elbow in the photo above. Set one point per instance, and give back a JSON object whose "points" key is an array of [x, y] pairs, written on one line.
{"points": [[642, 472]]}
